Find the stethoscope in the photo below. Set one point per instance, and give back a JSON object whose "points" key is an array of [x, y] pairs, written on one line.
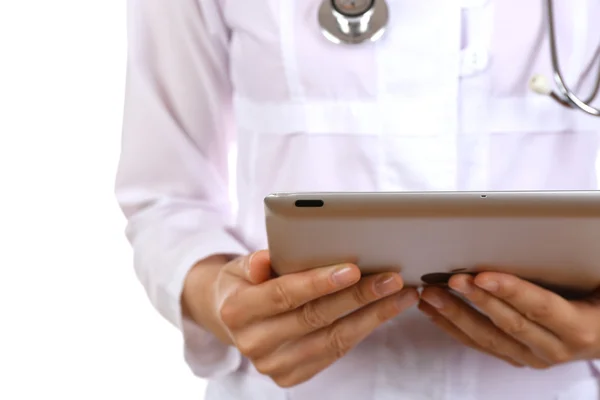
{"points": [[359, 21]]}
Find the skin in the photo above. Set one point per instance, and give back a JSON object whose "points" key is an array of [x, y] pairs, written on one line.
{"points": [[295, 326], [517, 321]]}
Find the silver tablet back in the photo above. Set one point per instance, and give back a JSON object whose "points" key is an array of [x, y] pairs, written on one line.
{"points": [[548, 237]]}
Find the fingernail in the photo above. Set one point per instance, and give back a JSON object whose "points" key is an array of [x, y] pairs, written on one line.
{"points": [[406, 300], [387, 285], [344, 276], [489, 285], [433, 300]]}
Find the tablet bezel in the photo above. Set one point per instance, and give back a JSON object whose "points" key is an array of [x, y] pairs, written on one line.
{"points": [[436, 204]]}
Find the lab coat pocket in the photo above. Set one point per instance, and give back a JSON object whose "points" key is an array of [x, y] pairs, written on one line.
{"points": [[411, 72], [526, 140]]}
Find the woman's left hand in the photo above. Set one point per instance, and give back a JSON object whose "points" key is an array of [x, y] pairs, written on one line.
{"points": [[517, 321]]}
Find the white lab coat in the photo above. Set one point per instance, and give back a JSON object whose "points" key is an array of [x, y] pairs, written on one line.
{"points": [[441, 103]]}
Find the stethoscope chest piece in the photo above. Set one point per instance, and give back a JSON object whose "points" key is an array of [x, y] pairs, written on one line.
{"points": [[353, 21]]}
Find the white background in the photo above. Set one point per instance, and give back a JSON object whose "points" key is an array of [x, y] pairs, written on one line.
{"points": [[74, 322]]}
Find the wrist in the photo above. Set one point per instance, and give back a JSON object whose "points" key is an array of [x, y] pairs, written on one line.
{"points": [[197, 299]]}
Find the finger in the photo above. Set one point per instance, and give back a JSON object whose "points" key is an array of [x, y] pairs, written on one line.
{"points": [[479, 328], [538, 339], [337, 339], [255, 268], [459, 335], [318, 350], [269, 334], [286, 293], [533, 302]]}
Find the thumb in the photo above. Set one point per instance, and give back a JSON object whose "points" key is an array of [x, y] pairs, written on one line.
{"points": [[254, 268], [259, 267]]}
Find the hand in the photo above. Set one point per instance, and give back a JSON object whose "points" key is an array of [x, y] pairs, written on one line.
{"points": [[294, 326], [517, 321]]}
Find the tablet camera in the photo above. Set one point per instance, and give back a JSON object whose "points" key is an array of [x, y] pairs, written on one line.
{"points": [[309, 203]]}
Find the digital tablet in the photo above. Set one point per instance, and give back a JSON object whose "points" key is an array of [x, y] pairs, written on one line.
{"points": [[549, 238]]}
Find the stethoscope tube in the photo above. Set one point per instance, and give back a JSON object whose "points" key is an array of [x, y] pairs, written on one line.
{"points": [[568, 96]]}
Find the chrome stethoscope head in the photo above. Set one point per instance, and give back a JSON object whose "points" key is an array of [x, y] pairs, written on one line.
{"points": [[353, 21]]}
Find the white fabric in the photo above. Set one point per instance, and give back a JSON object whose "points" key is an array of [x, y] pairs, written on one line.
{"points": [[440, 103]]}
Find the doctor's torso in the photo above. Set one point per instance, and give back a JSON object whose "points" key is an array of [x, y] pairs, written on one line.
{"points": [[441, 102]]}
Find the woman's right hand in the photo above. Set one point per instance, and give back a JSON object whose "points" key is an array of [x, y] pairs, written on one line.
{"points": [[294, 326]]}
